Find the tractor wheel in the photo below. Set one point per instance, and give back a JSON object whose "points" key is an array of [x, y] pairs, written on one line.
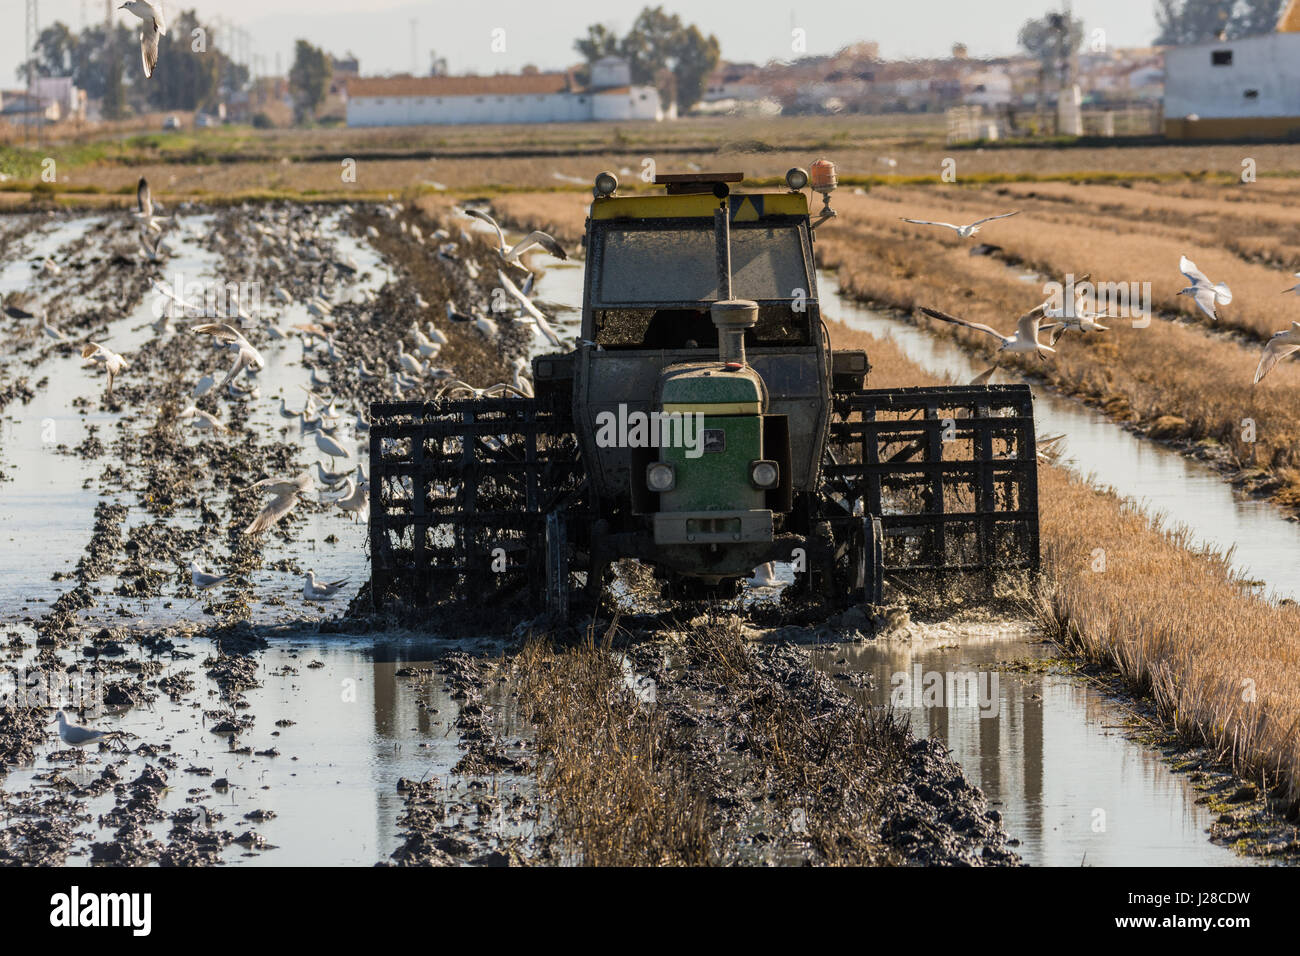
{"points": [[867, 562], [557, 568]]}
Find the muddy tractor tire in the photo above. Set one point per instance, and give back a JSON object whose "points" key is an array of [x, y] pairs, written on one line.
{"points": [[557, 568], [867, 562]]}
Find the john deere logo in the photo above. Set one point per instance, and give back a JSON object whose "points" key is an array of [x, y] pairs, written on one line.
{"points": [[715, 439]]}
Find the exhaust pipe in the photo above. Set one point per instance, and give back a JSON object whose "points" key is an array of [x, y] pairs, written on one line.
{"points": [[731, 318]]}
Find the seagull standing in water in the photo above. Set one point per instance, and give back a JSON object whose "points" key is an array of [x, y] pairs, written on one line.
{"points": [[1205, 294], [203, 580], [964, 231], [152, 27], [1024, 341], [77, 736], [313, 590]]}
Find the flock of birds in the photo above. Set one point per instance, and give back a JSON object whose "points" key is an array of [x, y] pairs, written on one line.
{"points": [[1076, 317], [277, 237]]}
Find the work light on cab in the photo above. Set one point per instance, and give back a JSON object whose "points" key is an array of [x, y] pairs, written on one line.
{"points": [[821, 176], [796, 178], [606, 184]]}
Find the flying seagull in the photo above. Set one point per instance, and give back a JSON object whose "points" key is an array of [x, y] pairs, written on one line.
{"points": [[152, 27], [1024, 340], [1203, 292], [102, 355], [511, 254], [1295, 288], [1279, 347], [245, 355], [531, 309], [144, 207], [964, 231], [284, 492]]}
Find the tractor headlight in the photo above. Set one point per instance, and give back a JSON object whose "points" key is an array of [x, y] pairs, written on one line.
{"points": [[796, 178], [659, 476], [764, 474]]}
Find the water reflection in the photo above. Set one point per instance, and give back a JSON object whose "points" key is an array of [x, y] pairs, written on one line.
{"points": [[1050, 756]]}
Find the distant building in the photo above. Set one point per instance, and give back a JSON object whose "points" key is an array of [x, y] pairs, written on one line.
{"points": [[55, 99], [1234, 88], [505, 98]]}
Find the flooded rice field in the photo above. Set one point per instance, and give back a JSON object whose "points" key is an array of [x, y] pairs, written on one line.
{"points": [[252, 726]]}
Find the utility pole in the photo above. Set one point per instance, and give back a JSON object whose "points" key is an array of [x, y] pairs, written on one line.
{"points": [[32, 33]]}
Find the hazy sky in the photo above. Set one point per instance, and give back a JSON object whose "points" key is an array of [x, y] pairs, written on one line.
{"points": [[542, 33]]}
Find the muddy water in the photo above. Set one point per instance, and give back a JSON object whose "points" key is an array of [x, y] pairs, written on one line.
{"points": [[1050, 753], [356, 729]]}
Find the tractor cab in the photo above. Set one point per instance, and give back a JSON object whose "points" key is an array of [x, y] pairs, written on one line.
{"points": [[695, 301]]}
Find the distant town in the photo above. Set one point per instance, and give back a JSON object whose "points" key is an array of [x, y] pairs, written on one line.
{"points": [[1214, 79]]}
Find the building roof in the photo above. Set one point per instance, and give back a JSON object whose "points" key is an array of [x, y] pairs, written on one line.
{"points": [[499, 85]]}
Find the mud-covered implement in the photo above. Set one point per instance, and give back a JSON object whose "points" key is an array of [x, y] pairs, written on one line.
{"points": [[702, 426], [461, 493], [950, 472]]}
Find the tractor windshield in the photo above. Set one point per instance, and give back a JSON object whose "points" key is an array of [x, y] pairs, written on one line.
{"points": [[642, 265]]}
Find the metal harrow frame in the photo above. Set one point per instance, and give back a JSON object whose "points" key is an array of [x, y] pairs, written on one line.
{"points": [[952, 472], [460, 491]]}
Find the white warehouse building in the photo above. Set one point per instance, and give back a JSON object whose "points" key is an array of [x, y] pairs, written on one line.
{"points": [[1236, 88], [505, 98]]}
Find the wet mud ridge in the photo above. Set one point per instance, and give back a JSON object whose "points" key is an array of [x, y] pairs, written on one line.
{"points": [[708, 742]]}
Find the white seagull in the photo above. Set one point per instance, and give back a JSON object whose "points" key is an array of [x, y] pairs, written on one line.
{"points": [[284, 492], [511, 254], [531, 309], [1206, 294], [77, 736], [314, 590], [245, 355], [1024, 341], [144, 208], [152, 27], [964, 231], [203, 580], [203, 421], [102, 355], [1279, 347], [1295, 288]]}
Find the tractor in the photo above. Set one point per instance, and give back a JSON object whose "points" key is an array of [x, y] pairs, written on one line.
{"points": [[702, 426]]}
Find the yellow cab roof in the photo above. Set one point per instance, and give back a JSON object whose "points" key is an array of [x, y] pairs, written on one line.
{"points": [[746, 207]]}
